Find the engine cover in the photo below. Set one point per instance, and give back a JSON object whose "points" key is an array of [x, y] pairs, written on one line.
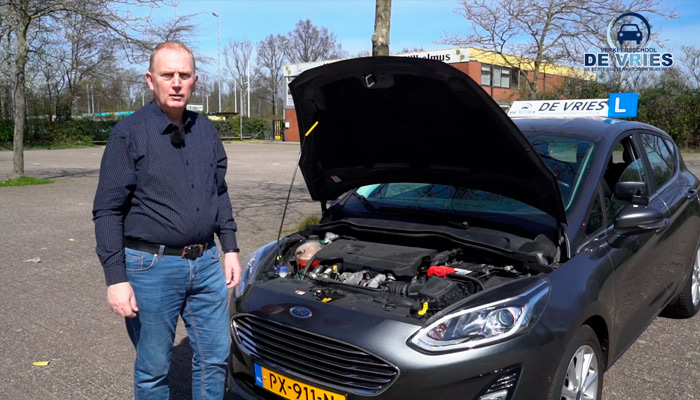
{"points": [[356, 255]]}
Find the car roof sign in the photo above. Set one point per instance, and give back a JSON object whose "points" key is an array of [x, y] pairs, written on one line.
{"points": [[617, 105]]}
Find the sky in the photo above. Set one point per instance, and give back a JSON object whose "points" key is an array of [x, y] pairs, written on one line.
{"points": [[414, 23]]}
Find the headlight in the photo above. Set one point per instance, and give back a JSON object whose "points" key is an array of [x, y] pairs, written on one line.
{"points": [[250, 268], [245, 275], [484, 324]]}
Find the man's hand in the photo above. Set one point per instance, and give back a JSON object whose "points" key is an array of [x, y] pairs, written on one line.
{"points": [[121, 300], [232, 269]]}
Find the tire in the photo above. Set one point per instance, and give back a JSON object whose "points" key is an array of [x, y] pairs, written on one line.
{"points": [[584, 349], [687, 304]]}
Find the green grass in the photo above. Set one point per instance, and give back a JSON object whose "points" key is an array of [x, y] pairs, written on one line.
{"points": [[24, 181], [313, 220]]}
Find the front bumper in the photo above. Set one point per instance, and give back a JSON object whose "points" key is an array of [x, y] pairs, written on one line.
{"points": [[465, 374]]}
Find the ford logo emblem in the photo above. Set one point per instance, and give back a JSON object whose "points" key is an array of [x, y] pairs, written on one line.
{"points": [[300, 312]]}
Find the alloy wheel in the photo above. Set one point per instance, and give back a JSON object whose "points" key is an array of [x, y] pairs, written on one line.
{"points": [[581, 381]]}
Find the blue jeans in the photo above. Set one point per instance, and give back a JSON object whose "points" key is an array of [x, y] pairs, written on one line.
{"points": [[168, 286]]}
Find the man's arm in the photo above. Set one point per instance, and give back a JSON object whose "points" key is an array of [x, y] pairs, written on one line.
{"points": [[227, 225], [116, 184]]}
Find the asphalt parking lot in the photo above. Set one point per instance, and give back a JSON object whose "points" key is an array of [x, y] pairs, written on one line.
{"points": [[53, 298]]}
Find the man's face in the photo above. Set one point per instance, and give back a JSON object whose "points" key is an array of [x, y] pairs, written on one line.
{"points": [[172, 81]]}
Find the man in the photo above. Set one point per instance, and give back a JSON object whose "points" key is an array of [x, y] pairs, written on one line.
{"points": [[160, 199]]}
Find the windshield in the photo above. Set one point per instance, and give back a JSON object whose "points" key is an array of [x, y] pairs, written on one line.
{"points": [[424, 196], [568, 158], [447, 204]]}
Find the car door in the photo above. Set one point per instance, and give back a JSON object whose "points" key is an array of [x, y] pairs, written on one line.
{"points": [[672, 188], [639, 289]]}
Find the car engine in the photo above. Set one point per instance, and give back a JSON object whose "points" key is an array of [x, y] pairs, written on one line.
{"points": [[424, 280]]}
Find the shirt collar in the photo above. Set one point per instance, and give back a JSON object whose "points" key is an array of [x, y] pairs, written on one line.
{"points": [[165, 127]]}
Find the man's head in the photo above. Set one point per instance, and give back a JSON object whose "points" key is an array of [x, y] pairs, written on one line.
{"points": [[172, 78]]}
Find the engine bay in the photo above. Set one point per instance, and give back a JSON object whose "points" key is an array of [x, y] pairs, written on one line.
{"points": [[411, 280]]}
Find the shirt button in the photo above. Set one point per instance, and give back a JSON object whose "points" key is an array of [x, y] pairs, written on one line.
{"points": [[192, 186], [197, 208], [187, 163]]}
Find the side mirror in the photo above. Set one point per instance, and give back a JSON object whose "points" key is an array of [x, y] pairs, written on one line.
{"points": [[634, 192], [635, 219]]}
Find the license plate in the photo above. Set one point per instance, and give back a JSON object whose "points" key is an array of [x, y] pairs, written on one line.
{"points": [[289, 388]]}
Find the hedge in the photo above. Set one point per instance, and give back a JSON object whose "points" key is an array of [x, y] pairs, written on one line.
{"points": [[41, 132], [254, 128]]}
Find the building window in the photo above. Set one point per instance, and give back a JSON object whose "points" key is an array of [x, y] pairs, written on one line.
{"points": [[496, 76], [289, 101], [515, 80], [486, 75]]}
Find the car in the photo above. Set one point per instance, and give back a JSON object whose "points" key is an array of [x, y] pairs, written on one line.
{"points": [[461, 253], [629, 32]]}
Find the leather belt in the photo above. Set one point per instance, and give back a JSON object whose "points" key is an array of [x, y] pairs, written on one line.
{"points": [[191, 252]]}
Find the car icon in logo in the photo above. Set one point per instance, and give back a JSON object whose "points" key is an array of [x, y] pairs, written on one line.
{"points": [[300, 312], [629, 32]]}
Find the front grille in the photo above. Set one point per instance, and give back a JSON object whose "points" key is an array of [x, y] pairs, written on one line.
{"points": [[314, 357]]}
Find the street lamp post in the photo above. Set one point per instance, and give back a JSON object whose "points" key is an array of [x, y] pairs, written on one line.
{"points": [[218, 54]]}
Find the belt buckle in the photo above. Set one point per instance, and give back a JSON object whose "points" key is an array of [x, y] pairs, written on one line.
{"points": [[192, 251]]}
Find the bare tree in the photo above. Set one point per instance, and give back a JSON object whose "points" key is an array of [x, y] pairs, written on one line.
{"points": [[271, 60], [308, 43], [6, 59], [84, 52], [181, 29], [363, 53], [542, 31], [51, 77], [382, 28], [237, 60], [691, 62], [25, 15]]}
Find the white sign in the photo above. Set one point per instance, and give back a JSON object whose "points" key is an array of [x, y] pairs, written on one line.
{"points": [[447, 56], [559, 108], [195, 107]]}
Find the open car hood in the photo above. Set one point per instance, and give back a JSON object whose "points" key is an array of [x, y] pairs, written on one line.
{"points": [[398, 119]]}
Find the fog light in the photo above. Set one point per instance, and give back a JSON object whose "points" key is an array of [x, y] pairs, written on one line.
{"points": [[500, 395], [500, 389]]}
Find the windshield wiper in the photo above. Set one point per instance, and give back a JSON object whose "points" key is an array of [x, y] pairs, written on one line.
{"points": [[366, 203]]}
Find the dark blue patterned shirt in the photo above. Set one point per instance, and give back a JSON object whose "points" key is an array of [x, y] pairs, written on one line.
{"points": [[155, 191]]}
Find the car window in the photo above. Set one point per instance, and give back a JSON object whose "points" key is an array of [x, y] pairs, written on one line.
{"points": [[661, 158], [634, 172], [671, 150], [618, 154], [624, 165], [596, 220], [568, 158]]}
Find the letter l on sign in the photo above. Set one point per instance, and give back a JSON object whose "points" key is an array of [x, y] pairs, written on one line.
{"points": [[617, 106], [622, 105]]}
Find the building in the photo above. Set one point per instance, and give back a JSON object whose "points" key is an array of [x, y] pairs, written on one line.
{"points": [[496, 73]]}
